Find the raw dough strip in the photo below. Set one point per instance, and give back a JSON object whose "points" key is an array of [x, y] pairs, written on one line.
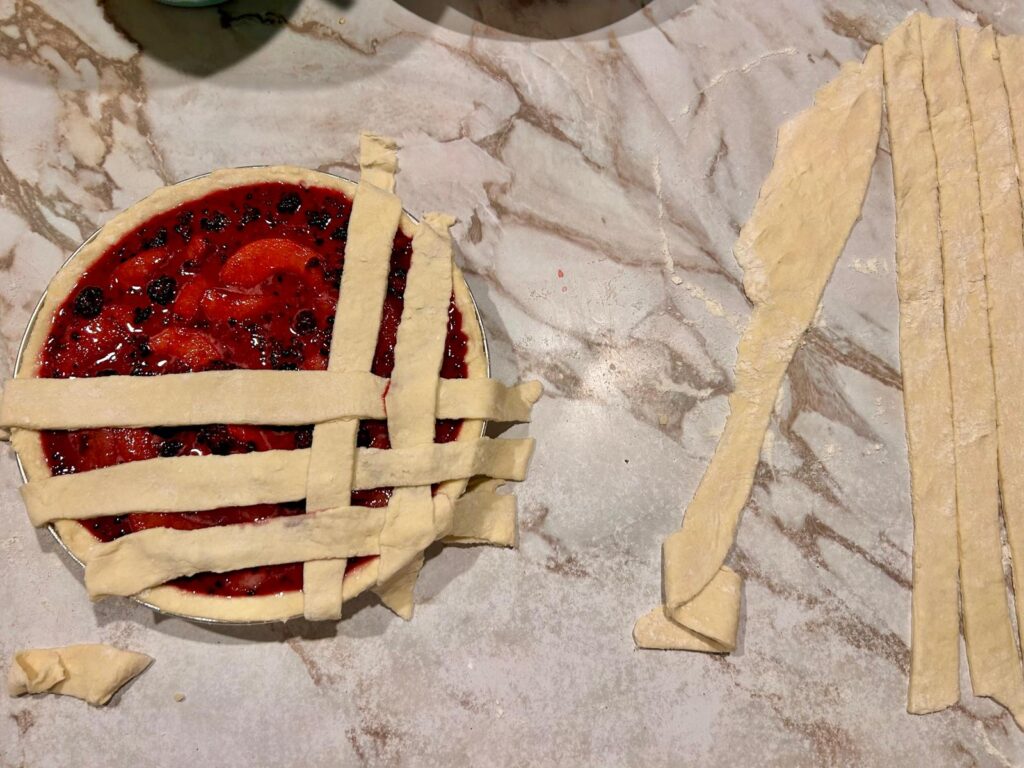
{"points": [[135, 562], [484, 517], [991, 651], [93, 673], [804, 214], [253, 397], [1002, 62], [927, 401], [194, 483], [376, 213], [411, 526]]}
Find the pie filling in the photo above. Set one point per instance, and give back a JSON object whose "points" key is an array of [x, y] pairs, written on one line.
{"points": [[243, 278]]}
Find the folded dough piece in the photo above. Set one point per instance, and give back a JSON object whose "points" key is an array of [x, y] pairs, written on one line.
{"points": [[93, 672], [788, 248]]}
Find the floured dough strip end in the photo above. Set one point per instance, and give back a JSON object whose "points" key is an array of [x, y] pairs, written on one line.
{"points": [[483, 516], [928, 408], [93, 673], [378, 161], [788, 249]]}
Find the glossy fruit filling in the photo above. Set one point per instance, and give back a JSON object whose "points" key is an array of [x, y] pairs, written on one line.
{"points": [[244, 278]]}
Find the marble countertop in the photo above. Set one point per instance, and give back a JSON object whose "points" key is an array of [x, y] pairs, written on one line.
{"points": [[600, 165]]}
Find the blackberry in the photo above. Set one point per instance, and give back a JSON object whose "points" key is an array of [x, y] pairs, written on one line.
{"points": [[162, 290], [142, 314], [159, 240], [170, 448], [289, 203], [217, 439], [304, 437], [318, 219], [215, 223], [89, 302], [341, 233], [252, 213], [305, 322], [284, 358]]}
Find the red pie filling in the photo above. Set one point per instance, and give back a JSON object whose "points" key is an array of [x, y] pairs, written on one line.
{"points": [[243, 278]]}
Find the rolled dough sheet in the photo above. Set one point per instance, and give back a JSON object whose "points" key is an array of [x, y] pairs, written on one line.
{"points": [[991, 651], [788, 249], [927, 401]]}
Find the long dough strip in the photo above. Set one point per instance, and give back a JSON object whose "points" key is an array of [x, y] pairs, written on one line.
{"points": [[376, 213], [927, 401], [411, 526], [240, 397], [132, 563], [1003, 125], [194, 483], [805, 212], [991, 652]]}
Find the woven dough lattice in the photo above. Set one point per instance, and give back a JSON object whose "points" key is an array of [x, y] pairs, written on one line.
{"points": [[325, 474]]}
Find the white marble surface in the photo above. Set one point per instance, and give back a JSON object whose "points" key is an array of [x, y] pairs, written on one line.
{"points": [[587, 172]]}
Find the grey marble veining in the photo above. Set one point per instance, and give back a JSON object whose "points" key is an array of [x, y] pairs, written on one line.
{"points": [[600, 166]]}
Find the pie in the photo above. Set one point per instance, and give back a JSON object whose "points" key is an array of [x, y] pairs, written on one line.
{"points": [[211, 429]]}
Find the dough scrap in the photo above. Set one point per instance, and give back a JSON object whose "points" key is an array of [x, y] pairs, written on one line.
{"points": [[991, 651], [93, 673], [927, 399], [788, 248]]}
